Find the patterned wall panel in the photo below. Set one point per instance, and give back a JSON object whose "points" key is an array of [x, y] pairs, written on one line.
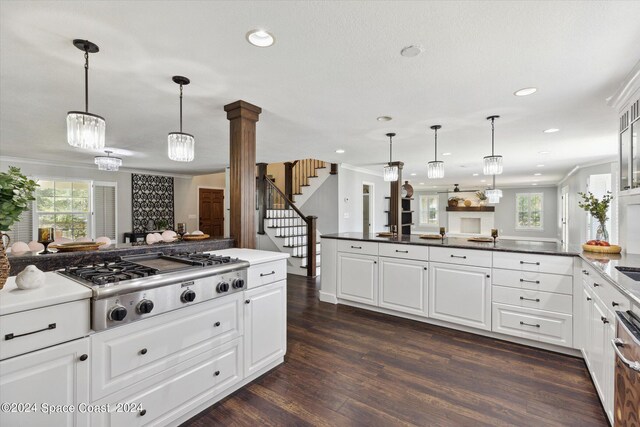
{"points": [[152, 199]]}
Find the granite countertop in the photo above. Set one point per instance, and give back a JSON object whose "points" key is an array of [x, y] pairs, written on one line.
{"points": [[603, 263]]}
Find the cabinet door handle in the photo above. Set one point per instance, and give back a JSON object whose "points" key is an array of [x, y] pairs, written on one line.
{"points": [[604, 320], [588, 298], [356, 247], [84, 357], [247, 301], [530, 299], [402, 252], [375, 262], [425, 268], [585, 272], [530, 324], [267, 274], [216, 373], [532, 263], [614, 304], [595, 285], [11, 336], [458, 256], [143, 351], [142, 412], [216, 324], [537, 282]]}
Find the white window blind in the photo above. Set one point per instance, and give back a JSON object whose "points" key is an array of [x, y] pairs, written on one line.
{"points": [[104, 208], [22, 230]]}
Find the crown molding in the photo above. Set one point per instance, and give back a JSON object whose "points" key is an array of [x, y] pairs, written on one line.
{"points": [[359, 169], [630, 85], [586, 165]]}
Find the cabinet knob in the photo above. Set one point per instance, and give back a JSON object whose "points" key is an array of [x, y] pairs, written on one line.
{"points": [[588, 298], [216, 324], [216, 373], [488, 276], [142, 412], [614, 304], [84, 357], [604, 320], [143, 351], [595, 285], [247, 301]]}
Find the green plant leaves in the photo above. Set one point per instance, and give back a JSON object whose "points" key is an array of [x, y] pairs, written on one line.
{"points": [[16, 191]]}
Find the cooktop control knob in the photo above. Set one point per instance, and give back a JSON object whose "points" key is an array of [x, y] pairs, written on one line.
{"points": [[222, 287], [188, 296], [117, 313], [237, 283], [144, 307]]}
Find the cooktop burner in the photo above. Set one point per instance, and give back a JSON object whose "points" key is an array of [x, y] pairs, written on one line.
{"points": [[102, 274], [203, 259]]}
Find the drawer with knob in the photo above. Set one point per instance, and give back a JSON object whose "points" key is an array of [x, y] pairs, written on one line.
{"points": [[190, 384], [358, 247], [420, 253], [533, 299], [133, 352], [532, 262], [477, 258], [538, 325]]}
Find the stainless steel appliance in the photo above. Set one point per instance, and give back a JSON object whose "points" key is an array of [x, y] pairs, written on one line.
{"points": [[627, 371], [140, 286]]}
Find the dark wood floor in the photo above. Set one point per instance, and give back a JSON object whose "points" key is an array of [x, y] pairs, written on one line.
{"points": [[347, 366]]}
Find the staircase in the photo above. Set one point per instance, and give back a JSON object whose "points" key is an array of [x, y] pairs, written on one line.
{"points": [[283, 221]]}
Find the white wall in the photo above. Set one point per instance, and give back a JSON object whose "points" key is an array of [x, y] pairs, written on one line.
{"points": [[350, 180], [505, 214]]}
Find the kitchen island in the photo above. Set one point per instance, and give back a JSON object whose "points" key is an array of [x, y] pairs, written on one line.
{"points": [[540, 294]]}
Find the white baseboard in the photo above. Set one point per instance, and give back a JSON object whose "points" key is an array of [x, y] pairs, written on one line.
{"points": [[327, 297]]}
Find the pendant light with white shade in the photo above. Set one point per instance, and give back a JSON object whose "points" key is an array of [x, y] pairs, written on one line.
{"points": [[86, 130], [181, 145], [493, 194], [390, 172], [435, 169], [108, 163], [492, 165]]}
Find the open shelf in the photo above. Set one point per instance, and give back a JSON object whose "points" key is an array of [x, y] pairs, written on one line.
{"points": [[471, 209]]}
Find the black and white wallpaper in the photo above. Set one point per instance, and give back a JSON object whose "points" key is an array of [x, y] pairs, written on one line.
{"points": [[152, 199]]}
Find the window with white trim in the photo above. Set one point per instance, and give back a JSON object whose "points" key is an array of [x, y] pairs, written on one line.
{"points": [[428, 209], [529, 211], [64, 205]]}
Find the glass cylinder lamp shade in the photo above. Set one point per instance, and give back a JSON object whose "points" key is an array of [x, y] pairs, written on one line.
{"points": [[85, 130], [390, 173], [181, 146], [435, 169], [493, 195], [107, 163], [492, 165]]}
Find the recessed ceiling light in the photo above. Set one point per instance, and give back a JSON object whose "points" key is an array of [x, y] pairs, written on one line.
{"points": [[411, 51], [260, 38], [339, 151], [551, 130], [446, 154], [537, 174], [413, 174], [525, 91], [476, 174], [535, 183], [384, 118], [544, 152], [540, 166], [435, 186], [422, 183]]}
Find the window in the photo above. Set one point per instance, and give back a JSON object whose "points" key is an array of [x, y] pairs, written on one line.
{"points": [[64, 205], [429, 209], [529, 211]]}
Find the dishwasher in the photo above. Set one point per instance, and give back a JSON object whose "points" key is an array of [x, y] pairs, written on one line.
{"points": [[627, 370]]}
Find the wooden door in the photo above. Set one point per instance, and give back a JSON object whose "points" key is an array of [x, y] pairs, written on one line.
{"points": [[211, 212]]}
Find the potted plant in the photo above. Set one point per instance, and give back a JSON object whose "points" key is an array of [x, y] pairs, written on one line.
{"points": [[482, 198], [598, 209], [162, 224], [16, 191]]}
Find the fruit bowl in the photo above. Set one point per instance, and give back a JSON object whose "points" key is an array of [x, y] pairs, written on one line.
{"points": [[601, 247]]}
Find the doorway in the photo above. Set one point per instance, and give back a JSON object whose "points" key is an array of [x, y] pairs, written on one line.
{"points": [[367, 208], [211, 211], [564, 221]]}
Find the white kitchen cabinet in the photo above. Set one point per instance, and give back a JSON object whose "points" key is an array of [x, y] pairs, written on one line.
{"points": [[57, 375], [265, 319], [460, 294], [585, 323], [358, 277], [598, 334], [534, 324], [404, 285]]}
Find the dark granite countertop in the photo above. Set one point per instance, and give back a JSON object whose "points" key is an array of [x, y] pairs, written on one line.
{"points": [[603, 263], [56, 261]]}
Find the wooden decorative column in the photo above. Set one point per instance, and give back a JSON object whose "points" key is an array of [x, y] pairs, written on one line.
{"points": [[288, 181], [395, 205], [242, 172], [262, 195]]}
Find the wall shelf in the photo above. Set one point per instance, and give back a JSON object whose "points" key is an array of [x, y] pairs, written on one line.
{"points": [[471, 209]]}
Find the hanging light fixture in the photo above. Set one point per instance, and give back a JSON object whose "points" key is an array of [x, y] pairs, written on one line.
{"points": [[435, 169], [492, 163], [85, 130], [390, 172], [493, 194], [181, 145], [108, 163]]}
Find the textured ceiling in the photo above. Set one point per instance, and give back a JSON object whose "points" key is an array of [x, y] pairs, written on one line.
{"points": [[334, 68]]}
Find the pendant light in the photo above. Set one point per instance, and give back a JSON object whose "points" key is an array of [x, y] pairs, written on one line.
{"points": [[390, 172], [435, 169], [492, 163], [85, 130], [181, 145], [108, 163], [493, 194]]}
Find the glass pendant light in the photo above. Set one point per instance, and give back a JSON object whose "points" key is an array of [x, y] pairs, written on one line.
{"points": [[390, 172], [493, 194], [181, 145], [492, 163], [108, 163], [85, 130], [435, 169]]}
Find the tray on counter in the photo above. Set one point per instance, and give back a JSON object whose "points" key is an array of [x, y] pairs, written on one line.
{"points": [[195, 236], [76, 246]]}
